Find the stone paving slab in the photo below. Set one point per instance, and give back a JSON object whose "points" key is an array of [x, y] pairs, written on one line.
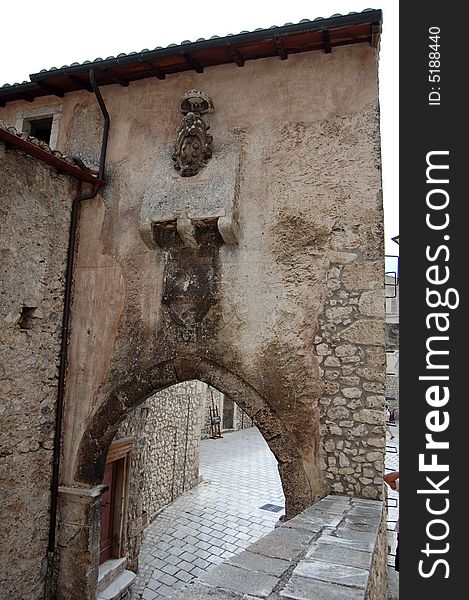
{"points": [[314, 523], [361, 523], [348, 539], [338, 573], [284, 543], [199, 591], [231, 578], [258, 562], [339, 554], [305, 588]]}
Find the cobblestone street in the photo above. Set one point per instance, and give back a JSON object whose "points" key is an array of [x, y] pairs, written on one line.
{"points": [[215, 520], [222, 515]]}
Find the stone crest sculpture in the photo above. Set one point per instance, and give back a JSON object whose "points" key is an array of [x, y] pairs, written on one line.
{"points": [[192, 146]]}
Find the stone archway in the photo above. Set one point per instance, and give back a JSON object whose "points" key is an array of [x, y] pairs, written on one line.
{"points": [[95, 443], [80, 507]]}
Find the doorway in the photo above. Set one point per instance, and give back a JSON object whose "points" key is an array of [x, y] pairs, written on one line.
{"points": [[107, 513], [228, 413]]}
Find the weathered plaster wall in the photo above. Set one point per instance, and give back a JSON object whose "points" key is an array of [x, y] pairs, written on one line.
{"points": [[310, 216], [310, 220], [35, 205], [291, 320]]}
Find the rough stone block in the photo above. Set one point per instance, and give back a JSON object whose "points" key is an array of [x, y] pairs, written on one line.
{"points": [[257, 562], [369, 333], [231, 578], [333, 573], [305, 588]]}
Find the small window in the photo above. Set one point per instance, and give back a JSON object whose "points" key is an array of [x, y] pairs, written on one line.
{"points": [[40, 128], [41, 122]]}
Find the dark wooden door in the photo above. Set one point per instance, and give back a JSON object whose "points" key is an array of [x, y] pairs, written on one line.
{"points": [[107, 513], [228, 413]]}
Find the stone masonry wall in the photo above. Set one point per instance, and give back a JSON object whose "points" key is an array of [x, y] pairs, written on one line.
{"points": [[35, 206], [351, 351], [392, 340], [165, 454], [240, 418]]}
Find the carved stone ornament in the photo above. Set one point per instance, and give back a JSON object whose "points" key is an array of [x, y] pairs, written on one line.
{"points": [[192, 146]]}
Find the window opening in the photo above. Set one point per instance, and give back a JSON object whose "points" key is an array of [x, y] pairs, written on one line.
{"points": [[40, 128]]}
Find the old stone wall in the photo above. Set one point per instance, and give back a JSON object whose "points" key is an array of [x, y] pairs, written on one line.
{"points": [[165, 453], [240, 419], [351, 353], [392, 340], [35, 206]]}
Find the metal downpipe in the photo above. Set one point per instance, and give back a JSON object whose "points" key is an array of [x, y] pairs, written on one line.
{"points": [[50, 583]]}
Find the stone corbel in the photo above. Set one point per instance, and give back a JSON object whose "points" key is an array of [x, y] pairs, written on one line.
{"points": [[186, 231]]}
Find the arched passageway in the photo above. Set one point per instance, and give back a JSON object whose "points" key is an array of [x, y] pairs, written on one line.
{"points": [[92, 453], [224, 513], [237, 499], [81, 502]]}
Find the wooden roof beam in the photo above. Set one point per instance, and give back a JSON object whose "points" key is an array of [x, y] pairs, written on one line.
{"points": [[326, 41], [27, 97], [81, 83], [235, 55], [50, 89], [192, 62], [375, 34], [154, 70], [121, 80], [279, 47]]}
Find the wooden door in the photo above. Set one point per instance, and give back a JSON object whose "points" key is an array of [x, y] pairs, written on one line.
{"points": [[107, 513]]}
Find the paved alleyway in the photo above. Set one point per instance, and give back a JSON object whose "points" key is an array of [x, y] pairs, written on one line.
{"points": [[222, 515], [217, 519]]}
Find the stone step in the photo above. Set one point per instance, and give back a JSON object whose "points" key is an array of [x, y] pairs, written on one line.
{"points": [[119, 588], [109, 571]]}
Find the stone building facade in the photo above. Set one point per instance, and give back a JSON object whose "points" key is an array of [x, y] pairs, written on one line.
{"points": [[259, 271], [34, 225]]}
